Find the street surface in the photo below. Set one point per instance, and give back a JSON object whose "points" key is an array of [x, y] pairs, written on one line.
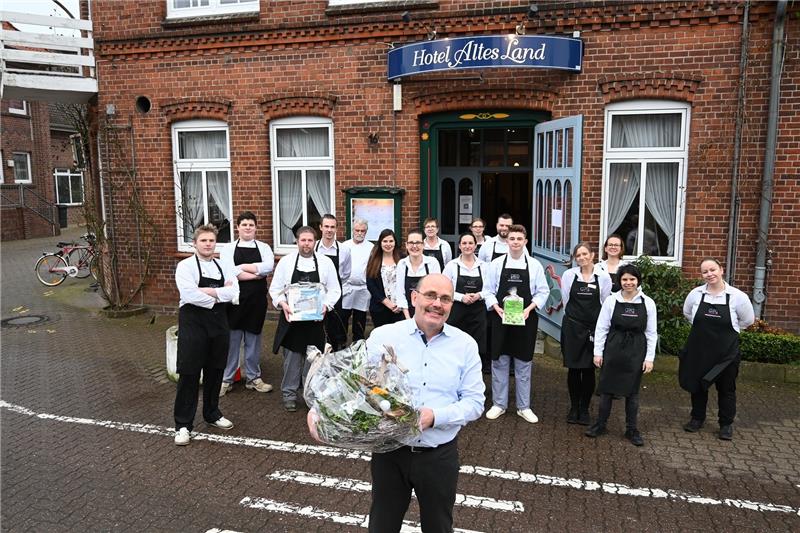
{"points": [[86, 436]]}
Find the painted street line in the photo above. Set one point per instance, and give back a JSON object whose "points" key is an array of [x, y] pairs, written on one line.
{"points": [[356, 485], [328, 451], [308, 511], [218, 530]]}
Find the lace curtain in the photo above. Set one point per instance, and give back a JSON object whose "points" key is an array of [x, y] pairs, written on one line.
{"points": [[661, 198], [192, 211], [623, 185], [202, 144], [302, 142], [290, 189]]}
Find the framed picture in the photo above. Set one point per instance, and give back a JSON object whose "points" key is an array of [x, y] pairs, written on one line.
{"points": [[380, 207]]}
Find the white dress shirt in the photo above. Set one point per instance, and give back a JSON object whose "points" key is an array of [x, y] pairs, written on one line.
{"points": [[344, 256], [355, 293], [478, 269], [603, 279], [604, 323], [187, 278], [540, 291], [403, 267], [285, 269], [441, 245], [742, 313], [444, 375], [267, 257], [494, 243]]}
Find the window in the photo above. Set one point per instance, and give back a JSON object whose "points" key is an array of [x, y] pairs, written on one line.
{"points": [[644, 176], [302, 175], [22, 167], [202, 179], [201, 8], [18, 107], [69, 186]]}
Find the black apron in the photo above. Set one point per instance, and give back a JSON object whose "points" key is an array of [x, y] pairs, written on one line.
{"points": [[470, 318], [712, 345], [334, 324], [197, 325], [516, 341], [296, 336], [334, 259], [616, 286], [580, 319], [625, 350], [249, 314], [495, 253], [411, 284], [436, 254]]}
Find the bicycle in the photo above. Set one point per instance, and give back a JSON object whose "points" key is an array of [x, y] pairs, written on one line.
{"points": [[73, 260]]}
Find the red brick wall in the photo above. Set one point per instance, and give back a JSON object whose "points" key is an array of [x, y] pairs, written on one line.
{"points": [[296, 59]]}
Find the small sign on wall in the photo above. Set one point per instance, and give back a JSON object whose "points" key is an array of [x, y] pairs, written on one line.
{"points": [[465, 204], [555, 218]]}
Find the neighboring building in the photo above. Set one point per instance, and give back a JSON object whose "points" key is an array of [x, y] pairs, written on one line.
{"points": [[280, 107]]}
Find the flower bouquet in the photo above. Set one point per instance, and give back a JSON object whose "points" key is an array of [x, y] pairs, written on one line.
{"points": [[361, 404]]}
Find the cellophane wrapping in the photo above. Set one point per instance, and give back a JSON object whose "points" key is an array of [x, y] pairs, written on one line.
{"points": [[361, 405]]}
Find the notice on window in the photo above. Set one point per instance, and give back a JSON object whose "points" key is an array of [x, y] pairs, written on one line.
{"points": [[378, 212], [465, 204], [556, 218]]}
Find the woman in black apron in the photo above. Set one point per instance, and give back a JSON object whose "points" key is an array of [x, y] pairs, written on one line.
{"points": [[625, 340], [613, 250], [410, 270], [718, 312], [583, 291], [469, 312], [382, 279], [434, 247], [477, 227]]}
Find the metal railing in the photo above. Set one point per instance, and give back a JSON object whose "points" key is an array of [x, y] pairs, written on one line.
{"points": [[24, 196]]}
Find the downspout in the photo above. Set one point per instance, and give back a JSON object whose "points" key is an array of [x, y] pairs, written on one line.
{"points": [[759, 281], [733, 212]]}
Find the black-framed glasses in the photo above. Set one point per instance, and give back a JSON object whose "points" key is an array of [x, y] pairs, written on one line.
{"points": [[431, 297], [414, 243]]}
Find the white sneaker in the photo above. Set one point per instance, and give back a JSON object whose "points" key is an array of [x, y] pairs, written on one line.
{"points": [[528, 415], [223, 423], [226, 387], [182, 437], [495, 412], [258, 385]]}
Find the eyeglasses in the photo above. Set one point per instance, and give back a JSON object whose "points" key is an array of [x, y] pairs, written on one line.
{"points": [[414, 243], [609, 245], [475, 226], [431, 297]]}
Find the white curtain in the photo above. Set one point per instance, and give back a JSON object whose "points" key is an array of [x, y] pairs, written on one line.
{"points": [[661, 198], [192, 211], [302, 142], [623, 184], [202, 144], [319, 190], [646, 131], [290, 199], [219, 193]]}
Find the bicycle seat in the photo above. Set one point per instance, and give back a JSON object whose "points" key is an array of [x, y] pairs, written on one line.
{"points": [[63, 244]]}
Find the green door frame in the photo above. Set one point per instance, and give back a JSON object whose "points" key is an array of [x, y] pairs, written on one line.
{"points": [[430, 125]]}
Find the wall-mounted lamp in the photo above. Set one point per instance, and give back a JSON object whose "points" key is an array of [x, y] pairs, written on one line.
{"points": [[520, 29], [431, 30], [374, 138], [406, 16], [533, 10]]}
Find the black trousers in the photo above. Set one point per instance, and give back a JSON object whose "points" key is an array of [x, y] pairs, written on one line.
{"points": [[336, 327], [359, 323], [186, 397], [726, 397], [432, 474], [580, 383], [631, 410]]}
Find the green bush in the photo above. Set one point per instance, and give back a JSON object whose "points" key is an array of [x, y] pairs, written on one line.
{"points": [[666, 285], [755, 346]]}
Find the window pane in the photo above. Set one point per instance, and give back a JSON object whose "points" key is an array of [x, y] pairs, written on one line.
{"points": [[519, 147], [661, 198], [471, 148], [448, 148], [661, 130], [464, 189], [76, 188], [448, 203], [290, 202], [203, 144], [318, 187], [219, 203], [302, 142], [62, 183], [623, 192], [21, 167], [494, 147], [192, 211]]}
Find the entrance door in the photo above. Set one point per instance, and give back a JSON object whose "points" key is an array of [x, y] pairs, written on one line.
{"points": [[556, 207], [460, 202]]}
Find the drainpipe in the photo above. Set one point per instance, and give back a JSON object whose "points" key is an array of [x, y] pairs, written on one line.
{"points": [[733, 212], [769, 159]]}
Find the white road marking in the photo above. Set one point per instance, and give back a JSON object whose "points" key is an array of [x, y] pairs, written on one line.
{"points": [[218, 530], [356, 485], [309, 511], [328, 451]]}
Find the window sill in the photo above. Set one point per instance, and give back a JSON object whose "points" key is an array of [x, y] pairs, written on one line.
{"points": [[182, 22], [377, 7]]}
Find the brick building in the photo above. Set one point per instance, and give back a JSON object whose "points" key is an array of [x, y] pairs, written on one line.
{"points": [[285, 108]]}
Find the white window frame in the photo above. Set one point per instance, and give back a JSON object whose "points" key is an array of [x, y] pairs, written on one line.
{"points": [[27, 163], [335, 3], [303, 164], [644, 156], [215, 7], [199, 165], [2, 168], [17, 110], [60, 172]]}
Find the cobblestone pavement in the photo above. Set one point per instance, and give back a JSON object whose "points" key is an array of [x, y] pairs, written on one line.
{"points": [[86, 420]]}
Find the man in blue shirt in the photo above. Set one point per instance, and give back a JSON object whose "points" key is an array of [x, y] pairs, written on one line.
{"points": [[446, 382]]}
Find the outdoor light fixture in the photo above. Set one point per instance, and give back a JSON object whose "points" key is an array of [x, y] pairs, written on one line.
{"points": [[431, 32], [406, 16], [533, 9], [520, 29]]}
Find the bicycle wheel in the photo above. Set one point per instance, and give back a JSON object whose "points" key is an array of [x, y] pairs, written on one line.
{"points": [[94, 267], [79, 257], [46, 269]]}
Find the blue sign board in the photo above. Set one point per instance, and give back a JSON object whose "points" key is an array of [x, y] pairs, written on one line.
{"points": [[518, 51]]}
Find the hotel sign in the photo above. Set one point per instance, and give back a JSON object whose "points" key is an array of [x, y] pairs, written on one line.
{"points": [[505, 51]]}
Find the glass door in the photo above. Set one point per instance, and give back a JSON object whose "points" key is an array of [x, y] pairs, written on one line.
{"points": [[459, 202]]}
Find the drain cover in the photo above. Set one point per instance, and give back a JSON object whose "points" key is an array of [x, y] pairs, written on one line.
{"points": [[24, 321]]}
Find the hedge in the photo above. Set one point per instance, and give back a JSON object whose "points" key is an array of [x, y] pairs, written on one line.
{"points": [[755, 346]]}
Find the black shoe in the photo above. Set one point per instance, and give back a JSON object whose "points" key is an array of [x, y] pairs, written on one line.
{"points": [[596, 430], [572, 416], [726, 432], [290, 406], [635, 437], [693, 425], [583, 417]]}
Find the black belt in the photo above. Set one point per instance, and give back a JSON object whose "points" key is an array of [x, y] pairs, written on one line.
{"points": [[423, 449]]}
